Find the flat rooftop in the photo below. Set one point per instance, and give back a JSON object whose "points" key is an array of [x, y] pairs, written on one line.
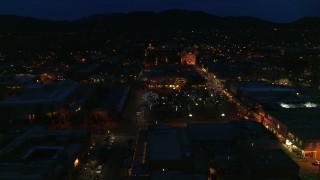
{"points": [[39, 153], [116, 97], [302, 122], [52, 93], [163, 144], [270, 159], [12, 80], [42, 152], [226, 131], [176, 175], [214, 131]]}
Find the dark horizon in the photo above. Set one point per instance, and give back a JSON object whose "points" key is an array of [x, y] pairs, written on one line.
{"points": [[284, 11], [142, 11]]}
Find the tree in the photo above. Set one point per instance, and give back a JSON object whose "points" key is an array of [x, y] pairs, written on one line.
{"points": [[151, 98]]}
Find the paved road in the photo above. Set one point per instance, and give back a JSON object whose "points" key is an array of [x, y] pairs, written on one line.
{"points": [[114, 168], [126, 129], [307, 170]]}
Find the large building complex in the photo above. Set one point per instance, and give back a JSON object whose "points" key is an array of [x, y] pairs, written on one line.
{"points": [[292, 115], [42, 154], [174, 77], [235, 150], [188, 57], [36, 100]]}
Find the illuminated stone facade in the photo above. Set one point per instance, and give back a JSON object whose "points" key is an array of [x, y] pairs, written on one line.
{"points": [[189, 57]]}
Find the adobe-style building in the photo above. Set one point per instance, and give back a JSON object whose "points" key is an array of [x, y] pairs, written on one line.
{"points": [[188, 57], [291, 115], [298, 125], [42, 154], [175, 77], [35, 100], [235, 150]]}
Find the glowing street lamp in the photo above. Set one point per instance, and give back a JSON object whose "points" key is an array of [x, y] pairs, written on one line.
{"points": [[76, 163], [190, 117]]}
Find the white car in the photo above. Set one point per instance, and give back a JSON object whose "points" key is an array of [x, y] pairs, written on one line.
{"points": [[112, 139], [99, 169], [316, 163]]}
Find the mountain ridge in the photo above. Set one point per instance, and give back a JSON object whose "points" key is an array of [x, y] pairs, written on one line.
{"points": [[168, 13], [179, 26]]}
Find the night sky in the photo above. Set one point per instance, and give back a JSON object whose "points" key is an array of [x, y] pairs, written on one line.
{"points": [[273, 10]]}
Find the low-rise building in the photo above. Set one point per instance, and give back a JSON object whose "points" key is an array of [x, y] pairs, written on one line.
{"points": [[242, 150], [235, 150], [293, 115], [174, 77], [36, 100], [42, 154], [9, 85], [298, 125], [165, 152]]}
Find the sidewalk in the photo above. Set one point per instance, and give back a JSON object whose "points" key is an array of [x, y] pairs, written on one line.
{"points": [[307, 170]]}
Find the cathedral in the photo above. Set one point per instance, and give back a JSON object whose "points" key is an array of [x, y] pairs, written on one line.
{"points": [[188, 57]]}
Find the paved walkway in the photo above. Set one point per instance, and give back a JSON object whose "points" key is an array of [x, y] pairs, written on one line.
{"points": [[307, 170]]}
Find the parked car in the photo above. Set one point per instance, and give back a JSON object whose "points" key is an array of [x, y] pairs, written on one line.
{"points": [[112, 139], [99, 169], [316, 163]]}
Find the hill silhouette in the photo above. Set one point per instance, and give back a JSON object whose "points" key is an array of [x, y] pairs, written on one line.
{"points": [[194, 26]]}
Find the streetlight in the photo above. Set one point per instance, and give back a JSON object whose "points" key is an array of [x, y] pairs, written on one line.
{"points": [[190, 116], [163, 170]]}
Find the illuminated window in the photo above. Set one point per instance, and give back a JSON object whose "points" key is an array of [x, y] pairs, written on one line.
{"points": [[76, 162], [318, 145], [310, 145], [290, 135]]}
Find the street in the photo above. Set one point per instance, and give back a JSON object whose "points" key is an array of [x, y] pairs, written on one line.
{"points": [[307, 169], [114, 167], [137, 115]]}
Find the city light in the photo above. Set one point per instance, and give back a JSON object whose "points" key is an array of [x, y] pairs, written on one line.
{"points": [[299, 105], [76, 163], [122, 83]]}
